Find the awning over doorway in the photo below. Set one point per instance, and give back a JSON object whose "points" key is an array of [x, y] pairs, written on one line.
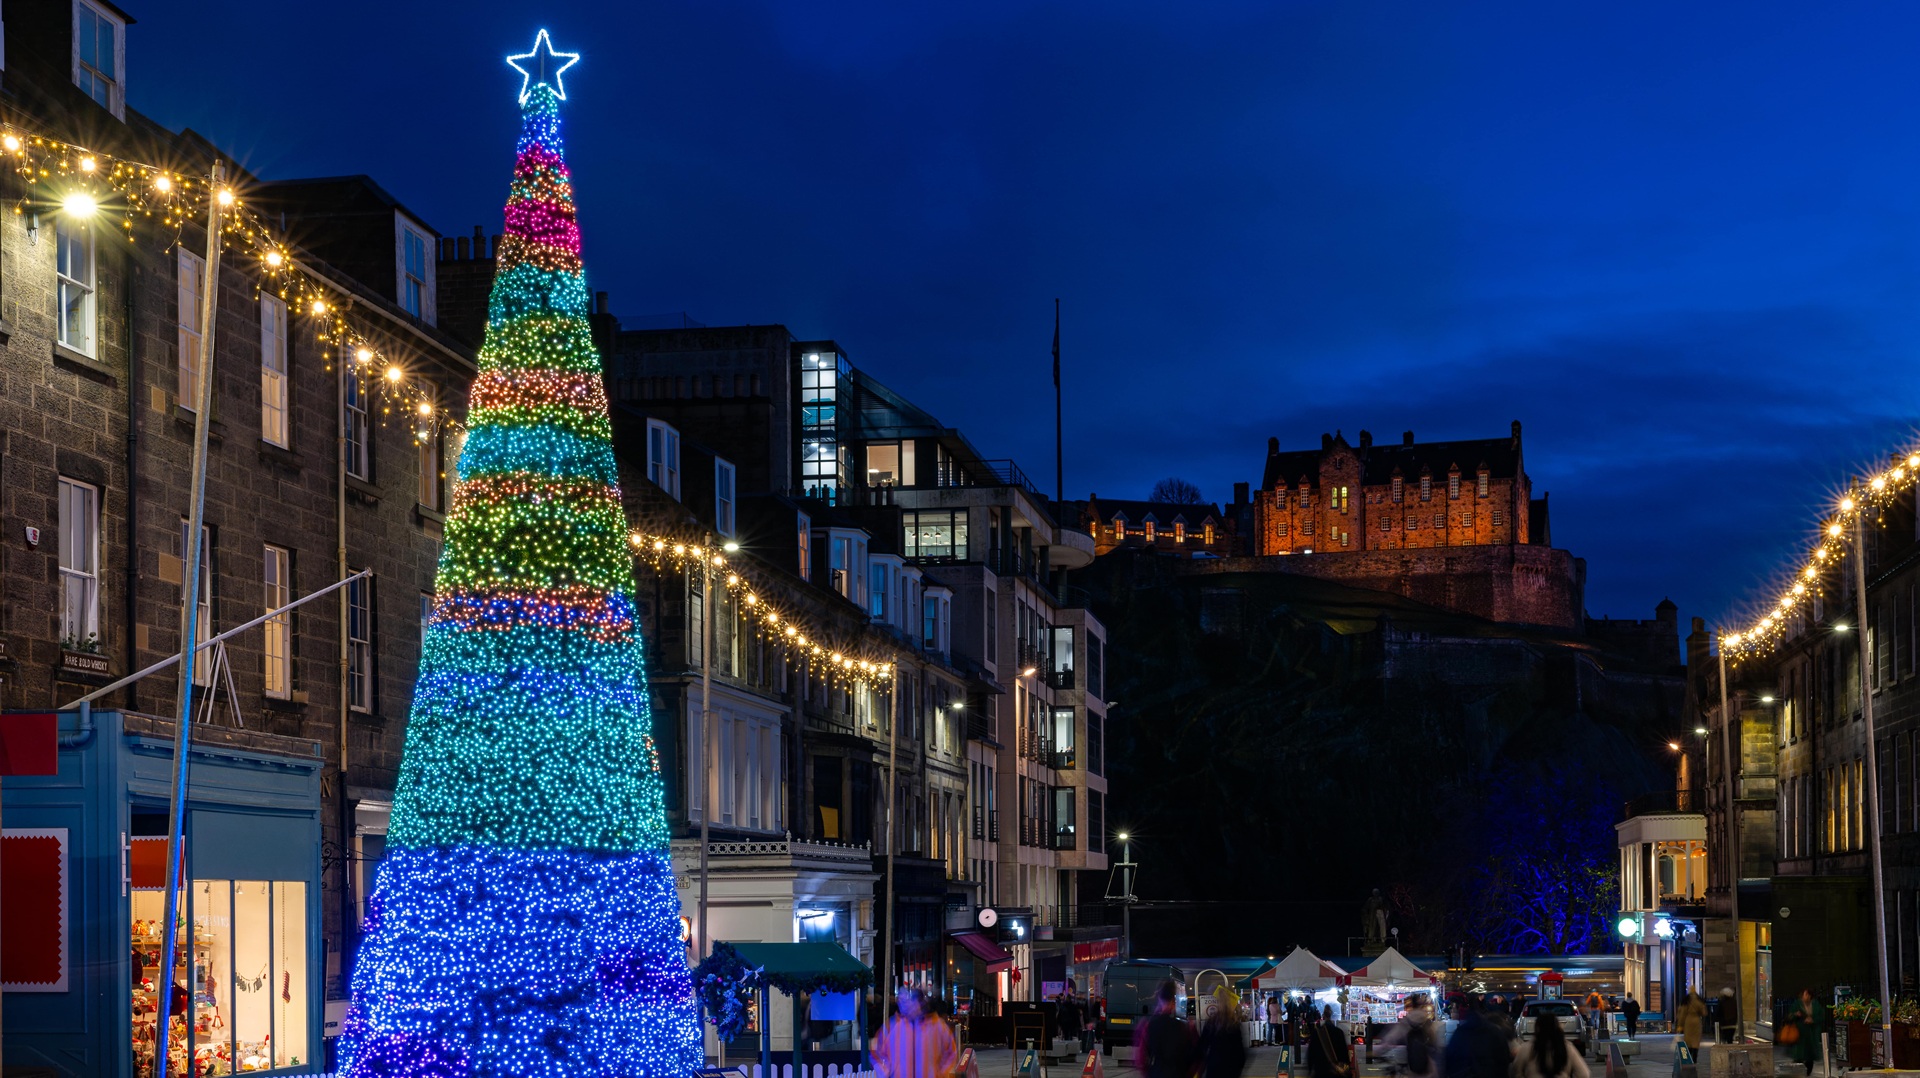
{"points": [[995, 956]]}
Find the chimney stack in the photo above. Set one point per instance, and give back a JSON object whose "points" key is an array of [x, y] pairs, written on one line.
{"points": [[1273, 447], [1516, 434], [1406, 438], [1366, 439], [1326, 441], [599, 303]]}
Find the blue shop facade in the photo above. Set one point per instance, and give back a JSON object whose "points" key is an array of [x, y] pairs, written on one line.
{"points": [[83, 869]]}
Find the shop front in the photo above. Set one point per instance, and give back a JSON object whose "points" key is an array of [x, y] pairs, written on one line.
{"points": [[83, 960]]}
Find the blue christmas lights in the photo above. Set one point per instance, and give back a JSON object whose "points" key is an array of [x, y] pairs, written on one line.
{"points": [[525, 921]]}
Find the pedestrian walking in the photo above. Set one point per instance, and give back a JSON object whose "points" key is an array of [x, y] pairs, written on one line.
{"points": [[1276, 1018], [1729, 1031], [1478, 1047], [1630, 1014], [1327, 1055], [1067, 1017], [1692, 1017], [1801, 1034], [915, 1043], [1223, 1045], [1548, 1056], [1164, 1045], [1410, 1044]]}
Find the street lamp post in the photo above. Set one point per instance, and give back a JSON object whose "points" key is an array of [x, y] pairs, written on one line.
{"points": [[709, 779], [1126, 867], [1728, 758], [1862, 642]]}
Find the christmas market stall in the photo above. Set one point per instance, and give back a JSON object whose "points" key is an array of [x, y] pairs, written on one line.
{"points": [[736, 981]]}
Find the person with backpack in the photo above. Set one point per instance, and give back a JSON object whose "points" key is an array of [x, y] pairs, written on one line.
{"points": [[1327, 1055], [1223, 1046], [1164, 1045], [1414, 1035], [1549, 1056]]}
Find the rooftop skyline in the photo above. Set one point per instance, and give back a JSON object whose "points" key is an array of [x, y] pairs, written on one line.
{"points": [[1682, 246]]}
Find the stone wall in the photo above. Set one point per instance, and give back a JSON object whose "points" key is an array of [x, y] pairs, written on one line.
{"points": [[1526, 585]]}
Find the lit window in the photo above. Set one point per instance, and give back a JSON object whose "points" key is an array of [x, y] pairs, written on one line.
{"points": [[1306, 526], [1179, 531], [1399, 490], [273, 370], [96, 55], [942, 533], [1207, 534], [1281, 528], [804, 528], [354, 428], [1119, 528], [1480, 483], [278, 581], [1149, 529], [1453, 484], [1426, 488], [723, 500], [79, 525], [428, 442], [360, 644], [74, 257], [663, 457], [413, 273]]}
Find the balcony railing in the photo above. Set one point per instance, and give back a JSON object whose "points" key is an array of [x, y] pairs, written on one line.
{"points": [[1061, 679], [1664, 802], [993, 825], [979, 822]]}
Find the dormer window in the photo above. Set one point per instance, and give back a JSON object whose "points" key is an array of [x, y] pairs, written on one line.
{"points": [[1426, 487], [1179, 531], [1206, 534], [1480, 484], [99, 60], [1453, 484], [1149, 529], [1119, 528], [1399, 489], [416, 273]]}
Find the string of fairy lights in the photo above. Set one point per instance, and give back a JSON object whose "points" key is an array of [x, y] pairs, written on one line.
{"points": [[802, 643], [1869, 496], [86, 184]]}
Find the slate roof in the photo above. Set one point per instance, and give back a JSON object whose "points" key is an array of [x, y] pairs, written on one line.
{"points": [[1163, 512], [1501, 456]]}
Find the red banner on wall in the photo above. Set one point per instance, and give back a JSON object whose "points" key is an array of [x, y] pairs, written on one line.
{"points": [[34, 909], [1096, 950], [30, 744]]}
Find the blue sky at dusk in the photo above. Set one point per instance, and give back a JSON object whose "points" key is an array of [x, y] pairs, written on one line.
{"points": [[1680, 243]]}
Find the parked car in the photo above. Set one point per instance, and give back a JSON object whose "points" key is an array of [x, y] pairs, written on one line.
{"points": [[1562, 1011]]}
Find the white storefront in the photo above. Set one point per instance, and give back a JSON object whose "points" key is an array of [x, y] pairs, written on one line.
{"points": [[782, 890]]}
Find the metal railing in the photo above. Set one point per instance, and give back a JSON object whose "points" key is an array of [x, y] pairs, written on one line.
{"points": [[1662, 802]]}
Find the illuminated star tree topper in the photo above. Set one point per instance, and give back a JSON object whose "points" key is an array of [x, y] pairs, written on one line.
{"points": [[542, 64]]}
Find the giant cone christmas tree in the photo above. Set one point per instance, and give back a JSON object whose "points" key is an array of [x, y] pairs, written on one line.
{"points": [[525, 921]]}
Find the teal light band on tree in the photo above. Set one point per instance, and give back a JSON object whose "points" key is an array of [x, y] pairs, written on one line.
{"points": [[525, 921]]}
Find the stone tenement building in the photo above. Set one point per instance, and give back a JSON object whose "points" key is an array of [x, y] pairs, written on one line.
{"points": [[1453, 524], [308, 481]]}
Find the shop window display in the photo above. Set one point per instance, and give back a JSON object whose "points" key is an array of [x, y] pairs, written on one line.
{"points": [[244, 965]]}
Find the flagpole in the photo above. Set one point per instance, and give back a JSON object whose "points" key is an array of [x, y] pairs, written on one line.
{"points": [[1059, 458]]}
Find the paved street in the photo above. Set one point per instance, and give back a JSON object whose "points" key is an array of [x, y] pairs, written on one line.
{"points": [[1654, 1061]]}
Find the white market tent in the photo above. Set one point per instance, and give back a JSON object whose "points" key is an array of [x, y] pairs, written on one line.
{"points": [[1391, 968], [1302, 969]]}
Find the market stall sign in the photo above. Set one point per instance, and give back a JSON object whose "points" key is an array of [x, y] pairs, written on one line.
{"points": [[1096, 950]]}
